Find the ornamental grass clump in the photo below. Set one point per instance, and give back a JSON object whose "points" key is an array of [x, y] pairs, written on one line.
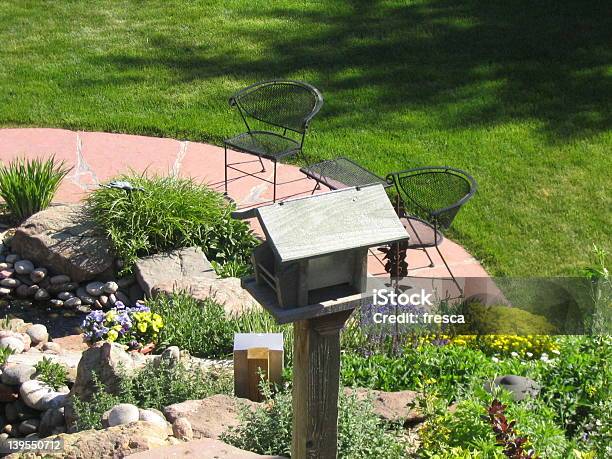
{"points": [[28, 186], [167, 213], [135, 326]]}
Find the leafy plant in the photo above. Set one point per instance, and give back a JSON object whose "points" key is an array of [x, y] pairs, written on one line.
{"points": [[52, 373], [88, 413], [170, 213], [361, 435], [5, 353], [28, 186], [204, 329], [513, 445]]}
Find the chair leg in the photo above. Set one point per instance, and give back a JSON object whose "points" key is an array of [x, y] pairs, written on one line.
{"points": [[449, 271], [225, 148], [431, 263], [274, 195], [263, 168]]}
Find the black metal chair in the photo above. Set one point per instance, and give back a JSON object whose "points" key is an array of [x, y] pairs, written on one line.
{"points": [[429, 199], [283, 104]]}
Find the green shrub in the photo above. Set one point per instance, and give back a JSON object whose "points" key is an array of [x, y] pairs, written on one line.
{"points": [[52, 373], [503, 320], [170, 213], [156, 385], [28, 186], [204, 329], [361, 435], [5, 353]]}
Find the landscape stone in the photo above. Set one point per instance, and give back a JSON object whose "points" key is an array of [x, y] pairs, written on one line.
{"points": [[151, 416], [15, 375], [110, 287], [51, 346], [103, 300], [24, 267], [5, 266], [84, 296], [10, 282], [72, 302], [204, 448], [41, 295], [390, 406], [123, 298], [32, 289], [7, 393], [59, 279], [124, 413], [38, 334], [183, 266], [211, 416], [181, 429], [27, 341], [5, 291], [64, 296], [18, 411], [95, 288], [65, 240], [12, 258], [14, 344], [38, 274], [135, 293], [24, 279], [49, 420], [28, 426], [23, 291], [126, 282], [56, 303]]}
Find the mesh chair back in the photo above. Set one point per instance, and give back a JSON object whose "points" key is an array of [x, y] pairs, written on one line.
{"points": [[286, 104], [434, 193]]}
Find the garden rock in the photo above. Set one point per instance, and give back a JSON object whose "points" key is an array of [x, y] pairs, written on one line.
{"points": [[38, 274], [124, 413], [12, 258], [59, 279], [16, 375], [50, 420], [8, 394], [84, 296], [28, 426], [390, 406], [110, 287], [181, 429], [41, 295], [209, 417], [72, 302], [64, 296], [122, 297], [38, 334], [205, 448], [65, 240], [10, 282], [171, 355], [227, 291], [95, 288], [4, 291], [14, 344], [40, 396], [183, 266], [18, 411], [519, 386], [151, 416], [23, 291], [23, 267], [56, 303], [113, 443]]}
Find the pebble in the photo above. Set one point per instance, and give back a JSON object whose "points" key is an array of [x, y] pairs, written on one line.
{"points": [[84, 296], [10, 282], [103, 300], [18, 411], [51, 347], [25, 280], [71, 286], [56, 303], [12, 258], [95, 288], [32, 289], [110, 287], [151, 416], [41, 295], [8, 429], [28, 426], [17, 374], [59, 279], [171, 355], [24, 267], [27, 341], [4, 265], [181, 429], [112, 299], [14, 344], [23, 291], [72, 302], [38, 274], [7, 272], [50, 420], [64, 296], [4, 291], [38, 334], [123, 413], [40, 396]]}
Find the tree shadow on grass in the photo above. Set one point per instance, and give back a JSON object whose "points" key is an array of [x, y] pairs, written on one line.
{"points": [[471, 63]]}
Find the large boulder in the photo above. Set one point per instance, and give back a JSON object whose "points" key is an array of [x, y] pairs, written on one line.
{"points": [[390, 406], [209, 417], [205, 448], [65, 240], [112, 443], [187, 266]]}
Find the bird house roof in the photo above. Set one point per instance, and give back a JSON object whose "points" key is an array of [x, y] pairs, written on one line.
{"points": [[331, 222]]}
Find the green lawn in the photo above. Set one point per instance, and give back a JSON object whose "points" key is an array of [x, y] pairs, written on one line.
{"points": [[517, 93]]}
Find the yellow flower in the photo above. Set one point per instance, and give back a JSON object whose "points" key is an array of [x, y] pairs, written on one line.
{"points": [[142, 327], [112, 335]]}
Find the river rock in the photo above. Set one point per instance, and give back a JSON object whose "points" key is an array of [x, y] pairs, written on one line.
{"points": [[16, 375], [4, 266], [5, 291], [38, 274], [38, 334], [64, 296], [51, 419], [12, 258], [24, 267], [40, 396], [41, 295], [85, 297], [14, 344], [110, 287], [56, 303], [72, 302], [59, 279], [28, 426], [64, 239], [151, 416], [23, 291], [103, 300], [10, 282], [124, 413], [52, 348], [18, 411], [95, 288]]}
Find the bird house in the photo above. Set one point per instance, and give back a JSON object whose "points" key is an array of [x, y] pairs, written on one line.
{"points": [[256, 355], [316, 247]]}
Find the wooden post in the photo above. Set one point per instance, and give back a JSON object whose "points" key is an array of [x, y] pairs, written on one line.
{"points": [[316, 381]]}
